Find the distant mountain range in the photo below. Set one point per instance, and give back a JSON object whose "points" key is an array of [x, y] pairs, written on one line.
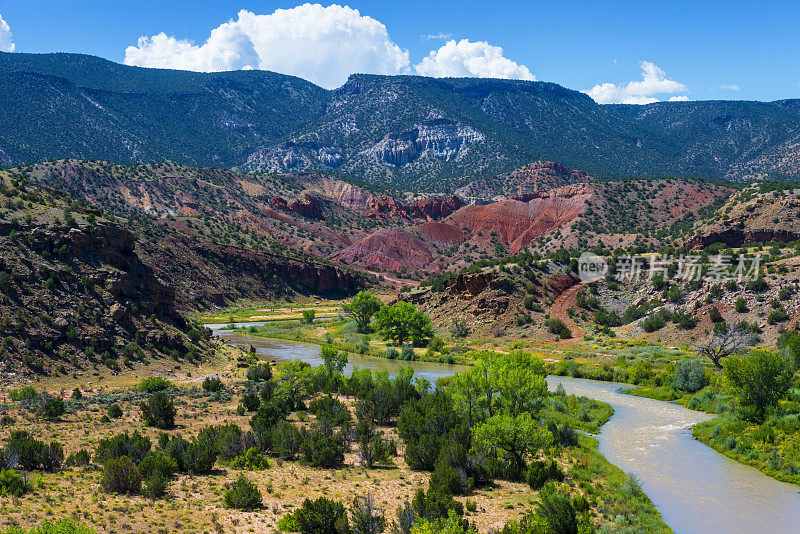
{"points": [[406, 132]]}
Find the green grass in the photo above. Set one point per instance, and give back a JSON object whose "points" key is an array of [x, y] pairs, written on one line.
{"points": [[662, 393], [773, 447], [623, 499]]}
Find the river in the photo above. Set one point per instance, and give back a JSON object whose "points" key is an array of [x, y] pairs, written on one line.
{"points": [[696, 489]]}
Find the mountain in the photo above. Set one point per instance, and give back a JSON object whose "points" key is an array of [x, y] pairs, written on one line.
{"points": [[408, 132], [56, 105]]}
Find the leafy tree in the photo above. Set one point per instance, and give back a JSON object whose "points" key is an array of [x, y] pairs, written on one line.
{"points": [[760, 380], [512, 436], [402, 322], [159, 411], [294, 382], [260, 372], [333, 360], [309, 316], [363, 306]]}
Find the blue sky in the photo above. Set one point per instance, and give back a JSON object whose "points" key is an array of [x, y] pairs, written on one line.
{"points": [[670, 50]]}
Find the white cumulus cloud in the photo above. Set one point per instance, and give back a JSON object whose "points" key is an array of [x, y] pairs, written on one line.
{"points": [[679, 98], [321, 44], [730, 87], [6, 44], [466, 58], [654, 82]]}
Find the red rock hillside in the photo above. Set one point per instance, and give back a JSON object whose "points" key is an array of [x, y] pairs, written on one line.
{"points": [[391, 248], [516, 222]]}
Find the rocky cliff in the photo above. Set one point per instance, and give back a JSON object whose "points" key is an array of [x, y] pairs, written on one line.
{"points": [[76, 294]]}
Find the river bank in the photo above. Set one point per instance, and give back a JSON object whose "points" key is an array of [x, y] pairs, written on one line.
{"points": [[694, 488]]}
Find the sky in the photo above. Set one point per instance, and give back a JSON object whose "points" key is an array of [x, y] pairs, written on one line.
{"points": [[617, 52]]}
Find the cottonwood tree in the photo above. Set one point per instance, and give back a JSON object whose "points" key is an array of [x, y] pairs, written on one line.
{"points": [[363, 306], [760, 381], [516, 436], [403, 322], [729, 342]]}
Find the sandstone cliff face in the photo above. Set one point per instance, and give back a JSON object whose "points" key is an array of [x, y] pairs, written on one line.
{"points": [[753, 216], [432, 208], [440, 138], [307, 206], [294, 157], [205, 274]]}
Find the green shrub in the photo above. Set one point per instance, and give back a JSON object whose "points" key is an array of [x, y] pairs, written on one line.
{"points": [[690, 375], [78, 459], [153, 384], [251, 401], [155, 485], [557, 327], [114, 411], [322, 449], [321, 516], [33, 454], [740, 305], [778, 316], [120, 475], [656, 321], [260, 372], [159, 411], [12, 483], [158, 464], [52, 408], [366, 518], [252, 460], [213, 384], [757, 285], [134, 446], [63, 526], [539, 472], [407, 353], [243, 495], [558, 512]]}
